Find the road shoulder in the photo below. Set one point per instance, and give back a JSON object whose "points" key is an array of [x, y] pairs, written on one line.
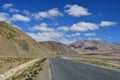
{"points": [[45, 74]]}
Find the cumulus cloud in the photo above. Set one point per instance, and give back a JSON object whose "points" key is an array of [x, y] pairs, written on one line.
{"points": [[10, 7], [7, 5], [96, 38], [45, 33], [50, 36], [107, 23], [14, 10], [73, 35], [19, 17], [84, 26], [4, 17], [52, 13], [46, 36], [34, 36], [26, 12], [66, 41], [76, 10], [42, 27], [63, 28], [90, 34]]}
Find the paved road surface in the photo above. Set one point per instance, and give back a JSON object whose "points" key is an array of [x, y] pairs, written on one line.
{"points": [[62, 69]]}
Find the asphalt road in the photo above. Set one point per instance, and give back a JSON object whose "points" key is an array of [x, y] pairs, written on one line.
{"points": [[62, 69]]}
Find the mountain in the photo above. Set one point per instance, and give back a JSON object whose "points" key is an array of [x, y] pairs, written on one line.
{"points": [[56, 48], [14, 42], [93, 47]]}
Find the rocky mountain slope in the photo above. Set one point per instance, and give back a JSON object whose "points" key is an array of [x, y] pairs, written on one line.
{"points": [[56, 48], [95, 47], [14, 42]]}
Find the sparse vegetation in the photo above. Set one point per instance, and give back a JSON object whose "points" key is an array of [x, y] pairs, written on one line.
{"points": [[7, 63], [11, 34], [14, 42], [7, 31], [31, 72], [13, 59], [24, 45]]}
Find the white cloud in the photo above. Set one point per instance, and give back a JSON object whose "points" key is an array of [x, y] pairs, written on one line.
{"points": [[42, 27], [94, 38], [7, 5], [14, 10], [63, 28], [4, 17], [52, 13], [46, 36], [41, 15], [84, 26], [34, 36], [76, 10], [90, 34], [66, 41], [50, 36], [73, 35], [26, 12], [19, 17], [107, 23]]}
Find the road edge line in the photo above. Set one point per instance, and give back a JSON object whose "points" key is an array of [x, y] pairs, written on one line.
{"points": [[49, 72]]}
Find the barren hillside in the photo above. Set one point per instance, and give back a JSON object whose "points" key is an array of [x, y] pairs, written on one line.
{"points": [[56, 48], [96, 47], [14, 42]]}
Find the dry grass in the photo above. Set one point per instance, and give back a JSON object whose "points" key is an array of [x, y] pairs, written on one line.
{"points": [[31, 72], [7, 63]]}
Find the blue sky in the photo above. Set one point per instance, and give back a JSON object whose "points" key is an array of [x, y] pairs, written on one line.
{"points": [[64, 20]]}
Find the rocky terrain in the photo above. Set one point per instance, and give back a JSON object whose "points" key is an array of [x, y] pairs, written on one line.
{"points": [[93, 47], [14, 42], [56, 48]]}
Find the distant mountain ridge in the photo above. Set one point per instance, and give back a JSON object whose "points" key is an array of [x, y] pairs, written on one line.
{"points": [[95, 46], [14, 42], [56, 48]]}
